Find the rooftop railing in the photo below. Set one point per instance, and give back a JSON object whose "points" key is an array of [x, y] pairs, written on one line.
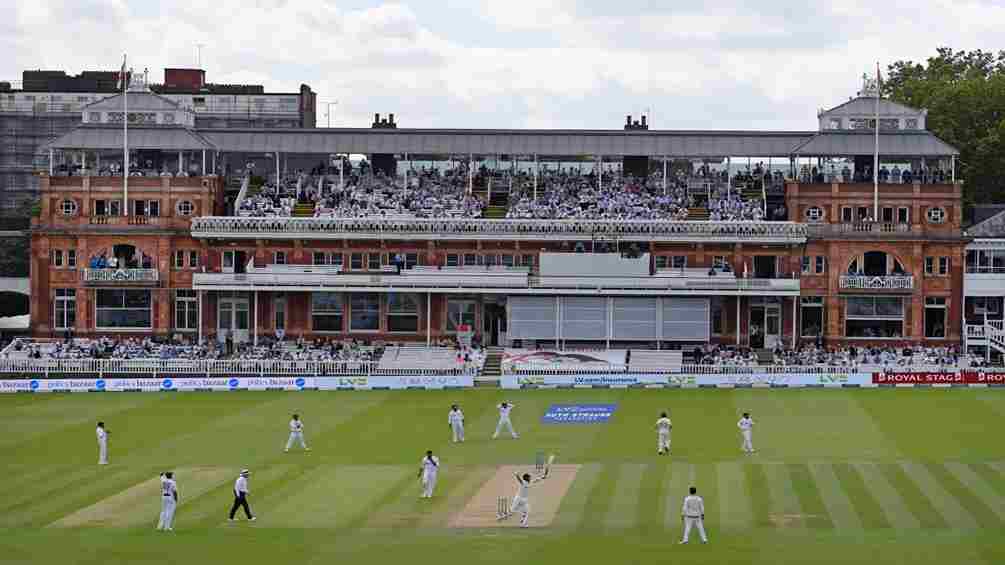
{"points": [[120, 275], [867, 282], [421, 228]]}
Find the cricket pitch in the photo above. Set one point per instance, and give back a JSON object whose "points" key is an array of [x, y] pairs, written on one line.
{"points": [[545, 498]]}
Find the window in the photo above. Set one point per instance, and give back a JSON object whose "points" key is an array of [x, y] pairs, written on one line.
{"points": [[186, 310], [452, 260], [490, 260], [411, 260], [662, 261], [71, 258], [193, 259], [814, 214], [364, 312], [280, 314], [279, 258], [987, 305], [846, 215], [679, 262], [937, 266], [179, 259], [812, 319], [903, 215], [835, 123], [150, 208], [935, 317], [185, 208], [107, 207], [719, 261], [806, 265], [123, 309], [356, 262], [936, 215], [326, 312], [863, 214], [94, 117], [470, 260], [374, 261], [402, 313], [887, 216], [68, 207], [821, 264], [527, 261], [319, 258], [168, 117], [507, 261], [65, 309], [335, 259], [943, 266], [911, 123], [874, 317], [715, 305], [460, 312], [56, 257]]}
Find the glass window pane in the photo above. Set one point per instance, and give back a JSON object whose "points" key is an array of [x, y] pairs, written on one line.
{"points": [[364, 311]]}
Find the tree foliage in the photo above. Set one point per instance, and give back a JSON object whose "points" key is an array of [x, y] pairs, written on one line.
{"points": [[964, 92]]}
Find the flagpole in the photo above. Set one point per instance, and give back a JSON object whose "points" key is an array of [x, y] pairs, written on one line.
{"points": [[125, 139], [875, 158]]}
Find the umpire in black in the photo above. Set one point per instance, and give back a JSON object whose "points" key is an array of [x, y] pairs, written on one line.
{"points": [[241, 496]]}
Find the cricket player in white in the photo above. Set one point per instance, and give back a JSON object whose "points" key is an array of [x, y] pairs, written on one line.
{"points": [[504, 409], [455, 419], [102, 434], [663, 427], [692, 513], [428, 473], [521, 501], [746, 426], [169, 501], [296, 434]]}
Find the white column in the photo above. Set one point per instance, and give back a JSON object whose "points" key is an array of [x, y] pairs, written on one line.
{"points": [[664, 175], [952, 165], [795, 324], [406, 171], [535, 176], [738, 320], [179, 163], [277, 168], [203, 162], [199, 294], [254, 317], [471, 173], [600, 175], [52, 156], [97, 162], [429, 318]]}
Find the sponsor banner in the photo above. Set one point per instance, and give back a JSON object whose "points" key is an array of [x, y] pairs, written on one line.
{"points": [[395, 382], [535, 359], [730, 380], [930, 378], [578, 413], [154, 385]]}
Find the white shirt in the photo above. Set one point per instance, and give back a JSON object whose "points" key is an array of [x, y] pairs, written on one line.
{"points": [[168, 487], [663, 425], [241, 485], [296, 426], [102, 435], [693, 506], [523, 489], [455, 417], [745, 424], [430, 468], [504, 411]]}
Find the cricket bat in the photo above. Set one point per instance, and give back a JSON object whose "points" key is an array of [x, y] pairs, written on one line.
{"points": [[547, 466]]}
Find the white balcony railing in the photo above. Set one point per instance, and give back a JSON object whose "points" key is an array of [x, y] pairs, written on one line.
{"points": [[467, 229], [121, 275], [867, 282]]}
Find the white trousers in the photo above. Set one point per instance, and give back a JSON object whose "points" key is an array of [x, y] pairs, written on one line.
{"points": [[663, 441], [166, 521], [428, 484], [748, 445], [458, 430], [296, 437], [504, 423], [103, 452], [523, 506], [689, 523]]}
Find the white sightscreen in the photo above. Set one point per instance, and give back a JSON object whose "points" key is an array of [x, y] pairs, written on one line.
{"points": [[635, 318], [685, 319], [532, 317]]}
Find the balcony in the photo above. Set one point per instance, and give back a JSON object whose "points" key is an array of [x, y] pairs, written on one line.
{"points": [[498, 230], [881, 231], [897, 283], [121, 276]]}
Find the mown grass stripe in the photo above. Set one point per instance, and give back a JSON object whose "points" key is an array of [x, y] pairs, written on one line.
{"points": [[756, 483], [651, 500], [598, 502], [733, 500], [991, 476], [786, 510], [622, 510], [811, 502], [835, 499], [676, 488], [923, 510], [570, 511], [706, 480], [980, 500], [869, 511], [957, 517]]}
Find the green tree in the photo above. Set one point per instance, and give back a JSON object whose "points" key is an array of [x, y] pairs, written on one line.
{"points": [[964, 92]]}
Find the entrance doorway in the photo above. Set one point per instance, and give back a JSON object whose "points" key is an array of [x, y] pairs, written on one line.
{"points": [[494, 324], [232, 318], [765, 326]]}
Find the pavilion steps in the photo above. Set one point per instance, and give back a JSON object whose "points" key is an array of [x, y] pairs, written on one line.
{"points": [[494, 212], [303, 210], [698, 214]]}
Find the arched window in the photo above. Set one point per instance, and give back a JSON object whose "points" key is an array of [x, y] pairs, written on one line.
{"points": [[876, 264]]}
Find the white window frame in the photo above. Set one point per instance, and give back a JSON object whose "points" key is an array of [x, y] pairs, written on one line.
{"points": [[65, 302], [186, 302]]}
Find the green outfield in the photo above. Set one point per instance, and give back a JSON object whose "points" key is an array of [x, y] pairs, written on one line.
{"points": [[841, 476]]}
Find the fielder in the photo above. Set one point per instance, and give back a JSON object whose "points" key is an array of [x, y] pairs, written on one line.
{"points": [[692, 513], [746, 426], [241, 496], [428, 473], [102, 434], [504, 409], [455, 419], [521, 501], [663, 427], [169, 501], [296, 434]]}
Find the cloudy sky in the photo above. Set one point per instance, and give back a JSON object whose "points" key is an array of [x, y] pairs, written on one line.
{"points": [[513, 63]]}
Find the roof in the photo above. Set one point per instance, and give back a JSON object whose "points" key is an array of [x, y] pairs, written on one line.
{"points": [[162, 138], [138, 102], [990, 227], [612, 143], [867, 105], [850, 143]]}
